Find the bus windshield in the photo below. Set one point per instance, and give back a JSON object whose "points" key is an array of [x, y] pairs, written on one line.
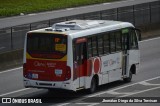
{"points": [[46, 45]]}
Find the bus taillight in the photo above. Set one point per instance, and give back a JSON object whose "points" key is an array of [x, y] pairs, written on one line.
{"points": [[68, 73]]}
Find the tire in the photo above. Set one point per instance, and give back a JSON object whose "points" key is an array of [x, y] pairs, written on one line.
{"points": [[50, 90], [129, 79], [93, 86]]}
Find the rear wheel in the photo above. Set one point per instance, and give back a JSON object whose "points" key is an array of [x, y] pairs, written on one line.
{"points": [[93, 86], [128, 79]]}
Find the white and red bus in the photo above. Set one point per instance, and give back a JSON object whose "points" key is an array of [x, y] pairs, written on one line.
{"points": [[80, 54]]}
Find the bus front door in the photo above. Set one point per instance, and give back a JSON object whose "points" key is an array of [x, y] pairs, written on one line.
{"points": [[81, 60], [125, 46]]}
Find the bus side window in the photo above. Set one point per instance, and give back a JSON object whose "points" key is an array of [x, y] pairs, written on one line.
{"points": [[125, 39], [133, 40], [112, 42], [74, 52], [89, 47], [84, 51], [106, 43], [118, 41], [100, 44], [94, 46]]}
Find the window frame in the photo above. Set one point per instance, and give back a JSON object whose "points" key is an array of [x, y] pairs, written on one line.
{"points": [[108, 33], [131, 38]]}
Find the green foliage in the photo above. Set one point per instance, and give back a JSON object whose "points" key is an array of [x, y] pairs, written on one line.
{"points": [[15, 7]]}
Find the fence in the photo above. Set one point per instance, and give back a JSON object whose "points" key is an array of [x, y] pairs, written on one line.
{"points": [[12, 38]]}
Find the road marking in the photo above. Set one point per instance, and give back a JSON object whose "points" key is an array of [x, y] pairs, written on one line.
{"points": [[141, 91], [2, 48], [64, 104], [113, 93], [106, 3], [88, 104], [69, 8], [148, 84], [32, 14], [14, 92], [98, 94], [117, 93], [10, 70]]}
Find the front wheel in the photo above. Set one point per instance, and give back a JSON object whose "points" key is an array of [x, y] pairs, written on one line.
{"points": [[129, 78]]}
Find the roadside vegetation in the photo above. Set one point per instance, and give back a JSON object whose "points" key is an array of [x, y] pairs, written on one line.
{"points": [[17, 7]]}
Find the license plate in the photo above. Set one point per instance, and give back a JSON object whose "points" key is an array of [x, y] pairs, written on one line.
{"points": [[58, 71], [35, 76]]}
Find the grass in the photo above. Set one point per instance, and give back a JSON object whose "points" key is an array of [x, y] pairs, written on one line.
{"points": [[15, 7]]}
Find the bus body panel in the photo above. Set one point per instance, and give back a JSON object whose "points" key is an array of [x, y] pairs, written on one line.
{"points": [[45, 70], [134, 57], [48, 73], [108, 67], [68, 85]]}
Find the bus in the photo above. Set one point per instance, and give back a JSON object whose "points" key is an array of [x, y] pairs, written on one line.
{"points": [[81, 54]]}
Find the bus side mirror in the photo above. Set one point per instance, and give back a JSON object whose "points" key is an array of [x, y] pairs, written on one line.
{"points": [[138, 32]]}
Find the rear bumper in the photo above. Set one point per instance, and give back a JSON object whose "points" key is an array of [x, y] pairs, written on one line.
{"points": [[47, 84]]}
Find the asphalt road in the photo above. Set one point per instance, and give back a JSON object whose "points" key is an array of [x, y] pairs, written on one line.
{"points": [[145, 84]]}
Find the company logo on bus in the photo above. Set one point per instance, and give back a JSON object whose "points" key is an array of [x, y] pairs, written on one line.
{"points": [[111, 62], [41, 64]]}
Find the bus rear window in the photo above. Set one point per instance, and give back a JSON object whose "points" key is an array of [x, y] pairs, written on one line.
{"points": [[45, 45]]}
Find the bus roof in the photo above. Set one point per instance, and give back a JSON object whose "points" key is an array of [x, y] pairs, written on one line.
{"points": [[81, 28]]}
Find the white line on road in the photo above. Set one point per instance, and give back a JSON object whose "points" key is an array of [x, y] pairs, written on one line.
{"points": [[141, 91], [88, 104], [148, 84], [2, 48], [64, 104], [10, 70], [106, 3], [126, 94], [117, 93], [122, 87], [69, 8], [32, 14], [14, 92]]}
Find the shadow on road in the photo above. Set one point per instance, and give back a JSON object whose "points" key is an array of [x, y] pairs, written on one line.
{"points": [[64, 96]]}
